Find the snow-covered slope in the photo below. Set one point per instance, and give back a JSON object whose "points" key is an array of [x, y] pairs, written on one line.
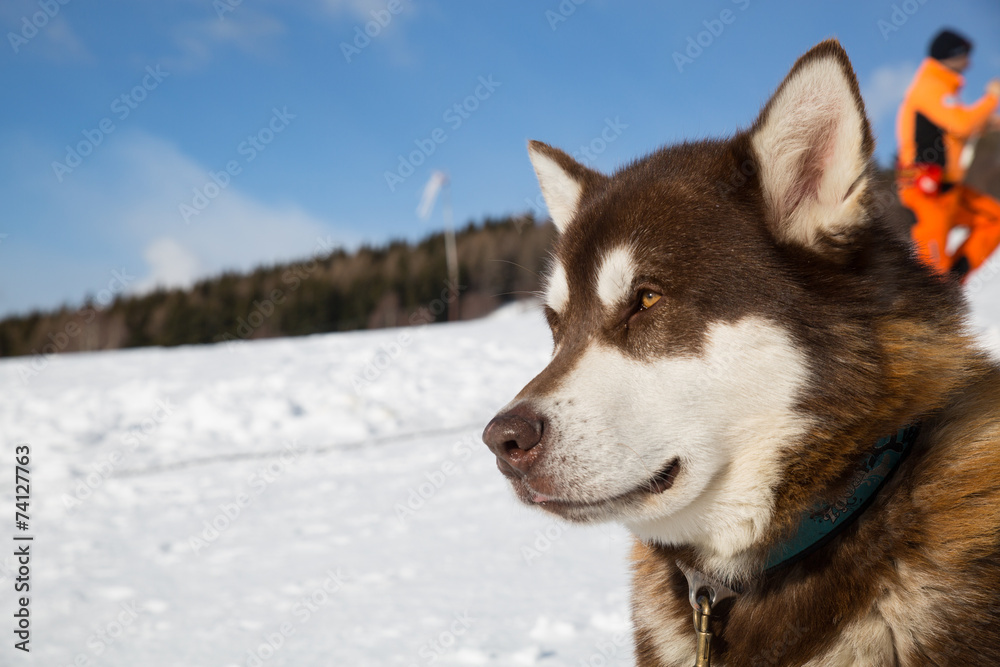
{"points": [[283, 502], [312, 501]]}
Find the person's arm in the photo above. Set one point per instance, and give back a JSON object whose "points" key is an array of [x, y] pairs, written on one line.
{"points": [[960, 120], [994, 87]]}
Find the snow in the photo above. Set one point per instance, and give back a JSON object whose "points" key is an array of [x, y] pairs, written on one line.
{"points": [[310, 501], [240, 504]]}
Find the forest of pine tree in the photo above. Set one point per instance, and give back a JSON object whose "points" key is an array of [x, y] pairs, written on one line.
{"points": [[391, 285]]}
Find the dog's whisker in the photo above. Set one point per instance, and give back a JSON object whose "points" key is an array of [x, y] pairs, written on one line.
{"points": [[622, 444], [520, 266], [533, 293]]}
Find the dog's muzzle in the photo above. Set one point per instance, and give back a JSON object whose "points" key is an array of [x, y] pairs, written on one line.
{"points": [[514, 437]]}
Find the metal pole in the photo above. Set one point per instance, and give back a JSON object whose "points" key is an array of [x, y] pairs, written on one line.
{"points": [[451, 254]]}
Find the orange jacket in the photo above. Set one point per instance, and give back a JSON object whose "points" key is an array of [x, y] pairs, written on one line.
{"points": [[933, 126]]}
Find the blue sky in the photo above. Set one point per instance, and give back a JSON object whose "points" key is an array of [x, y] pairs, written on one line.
{"points": [[141, 102]]}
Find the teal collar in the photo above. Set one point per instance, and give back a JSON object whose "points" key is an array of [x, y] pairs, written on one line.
{"points": [[826, 520]]}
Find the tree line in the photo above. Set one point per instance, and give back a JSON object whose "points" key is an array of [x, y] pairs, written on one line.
{"points": [[375, 286]]}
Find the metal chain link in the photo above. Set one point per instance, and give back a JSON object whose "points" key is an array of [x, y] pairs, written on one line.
{"points": [[703, 631]]}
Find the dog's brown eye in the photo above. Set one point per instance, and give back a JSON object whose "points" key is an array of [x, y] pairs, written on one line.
{"points": [[648, 299]]}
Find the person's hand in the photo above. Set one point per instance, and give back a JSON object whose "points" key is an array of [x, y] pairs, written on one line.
{"points": [[993, 87]]}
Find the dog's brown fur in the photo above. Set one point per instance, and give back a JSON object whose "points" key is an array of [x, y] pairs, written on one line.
{"points": [[927, 546], [916, 580], [933, 535]]}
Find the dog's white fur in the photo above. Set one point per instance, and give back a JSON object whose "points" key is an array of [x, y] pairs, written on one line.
{"points": [[557, 288], [615, 277], [561, 191], [813, 120], [617, 420]]}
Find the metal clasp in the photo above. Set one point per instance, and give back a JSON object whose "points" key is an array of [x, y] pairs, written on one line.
{"points": [[698, 582], [703, 631], [703, 593]]}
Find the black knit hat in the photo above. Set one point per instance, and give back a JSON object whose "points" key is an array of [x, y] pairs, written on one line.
{"points": [[949, 44]]}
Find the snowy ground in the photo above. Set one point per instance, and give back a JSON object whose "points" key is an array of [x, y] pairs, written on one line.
{"points": [[266, 504]]}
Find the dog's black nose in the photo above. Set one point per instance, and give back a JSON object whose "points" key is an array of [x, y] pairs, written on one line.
{"points": [[513, 436]]}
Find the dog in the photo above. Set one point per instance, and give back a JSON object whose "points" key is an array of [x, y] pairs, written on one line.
{"points": [[754, 374]]}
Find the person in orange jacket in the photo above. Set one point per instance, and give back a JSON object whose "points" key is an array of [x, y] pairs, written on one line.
{"points": [[932, 129]]}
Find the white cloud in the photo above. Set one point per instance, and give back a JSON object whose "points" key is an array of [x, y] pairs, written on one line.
{"points": [[361, 9], [255, 32], [348, 16], [170, 264], [132, 195], [249, 32], [63, 43], [884, 89], [49, 35]]}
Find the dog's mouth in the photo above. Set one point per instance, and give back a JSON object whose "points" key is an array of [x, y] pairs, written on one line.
{"points": [[664, 479], [657, 484]]}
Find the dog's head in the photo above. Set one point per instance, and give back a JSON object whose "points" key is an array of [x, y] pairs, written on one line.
{"points": [[684, 303]]}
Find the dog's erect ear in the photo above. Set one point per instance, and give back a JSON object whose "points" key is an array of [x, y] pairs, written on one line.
{"points": [[564, 181], [813, 146]]}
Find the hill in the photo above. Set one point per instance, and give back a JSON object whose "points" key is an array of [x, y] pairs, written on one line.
{"points": [[373, 287]]}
